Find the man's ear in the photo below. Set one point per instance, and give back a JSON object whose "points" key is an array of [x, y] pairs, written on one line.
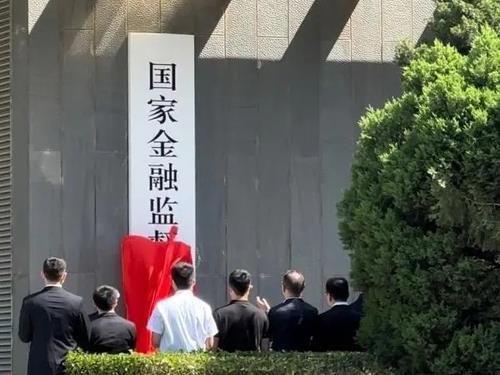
{"points": [[63, 277], [42, 276]]}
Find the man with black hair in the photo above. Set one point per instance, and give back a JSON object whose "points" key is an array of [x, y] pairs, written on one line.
{"points": [[110, 333], [242, 326], [291, 322], [182, 322], [53, 321], [336, 329]]}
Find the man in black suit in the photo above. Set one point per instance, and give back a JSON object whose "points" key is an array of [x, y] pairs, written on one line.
{"points": [[110, 333], [336, 329], [291, 322], [53, 321]]}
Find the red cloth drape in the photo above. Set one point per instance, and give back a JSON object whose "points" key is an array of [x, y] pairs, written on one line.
{"points": [[146, 277]]}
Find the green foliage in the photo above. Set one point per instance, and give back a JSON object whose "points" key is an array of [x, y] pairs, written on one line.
{"points": [[422, 217], [457, 22], [78, 363]]}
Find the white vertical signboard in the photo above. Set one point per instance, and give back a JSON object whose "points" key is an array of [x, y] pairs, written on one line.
{"points": [[161, 136]]}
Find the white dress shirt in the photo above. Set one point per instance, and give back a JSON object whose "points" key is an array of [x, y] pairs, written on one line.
{"points": [[183, 321]]}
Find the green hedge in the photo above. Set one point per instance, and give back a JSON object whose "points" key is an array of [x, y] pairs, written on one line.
{"points": [[79, 363]]}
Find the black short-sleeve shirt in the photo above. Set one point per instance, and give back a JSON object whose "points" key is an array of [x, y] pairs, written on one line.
{"points": [[241, 326]]}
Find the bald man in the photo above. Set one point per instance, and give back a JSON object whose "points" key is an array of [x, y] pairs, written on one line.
{"points": [[291, 323]]}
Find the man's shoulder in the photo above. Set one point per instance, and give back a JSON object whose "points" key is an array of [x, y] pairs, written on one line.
{"points": [[222, 309], [97, 318], [256, 311], [339, 312], [288, 305], [175, 300], [33, 297], [125, 322], [41, 296], [310, 308]]}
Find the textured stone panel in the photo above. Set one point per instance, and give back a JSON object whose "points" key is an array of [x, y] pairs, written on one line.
{"points": [[45, 209], [82, 284], [212, 47], [78, 142], [211, 154], [111, 76], [422, 14], [78, 14], [272, 17], [273, 166], [36, 8], [298, 10], [306, 225], [389, 51], [366, 31], [143, 16], [242, 80], [341, 51], [110, 26], [272, 48], [241, 25], [397, 20], [111, 201], [241, 224], [177, 16], [44, 72], [209, 17]]}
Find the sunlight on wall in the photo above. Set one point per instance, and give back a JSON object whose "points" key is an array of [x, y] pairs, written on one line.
{"points": [[36, 8]]}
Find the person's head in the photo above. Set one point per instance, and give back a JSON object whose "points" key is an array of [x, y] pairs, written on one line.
{"points": [[105, 298], [240, 283], [54, 270], [293, 284], [337, 290], [183, 275]]}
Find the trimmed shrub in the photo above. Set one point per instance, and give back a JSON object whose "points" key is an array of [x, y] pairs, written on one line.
{"points": [[78, 363], [457, 22], [422, 217]]}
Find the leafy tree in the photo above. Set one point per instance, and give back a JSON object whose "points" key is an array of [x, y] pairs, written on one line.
{"points": [[422, 217], [457, 22]]}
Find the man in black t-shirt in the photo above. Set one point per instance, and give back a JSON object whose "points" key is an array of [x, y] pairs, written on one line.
{"points": [[242, 326]]}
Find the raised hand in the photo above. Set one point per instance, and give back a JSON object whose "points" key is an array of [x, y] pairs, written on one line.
{"points": [[263, 304]]}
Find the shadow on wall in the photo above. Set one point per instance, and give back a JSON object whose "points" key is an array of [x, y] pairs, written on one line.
{"points": [[275, 138]]}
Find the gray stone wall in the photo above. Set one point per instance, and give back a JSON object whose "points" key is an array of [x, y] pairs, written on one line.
{"points": [[280, 86]]}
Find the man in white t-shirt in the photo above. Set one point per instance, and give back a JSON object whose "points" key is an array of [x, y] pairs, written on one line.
{"points": [[182, 322]]}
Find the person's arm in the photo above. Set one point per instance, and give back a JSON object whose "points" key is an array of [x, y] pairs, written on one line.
{"points": [[82, 328], [316, 340], [210, 343], [210, 329], [25, 326], [133, 337], [156, 326], [156, 340], [215, 344], [261, 332]]}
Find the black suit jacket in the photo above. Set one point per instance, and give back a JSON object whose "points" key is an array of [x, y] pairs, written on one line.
{"points": [[110, 333], [291, 325], [336, 329], [54, 322]]}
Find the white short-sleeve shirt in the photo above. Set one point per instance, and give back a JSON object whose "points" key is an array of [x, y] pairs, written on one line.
{"points": [[184, 322]]}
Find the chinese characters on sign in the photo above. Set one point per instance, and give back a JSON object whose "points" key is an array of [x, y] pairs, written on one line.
{"points": [[161, 136]]}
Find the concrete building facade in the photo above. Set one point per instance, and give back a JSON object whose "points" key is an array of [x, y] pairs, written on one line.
{"points": [[280, 86]]}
